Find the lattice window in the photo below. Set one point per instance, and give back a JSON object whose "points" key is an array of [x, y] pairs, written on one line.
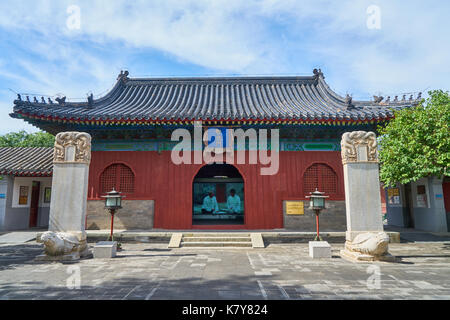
{"points": [[117, 176], [320, 176]]}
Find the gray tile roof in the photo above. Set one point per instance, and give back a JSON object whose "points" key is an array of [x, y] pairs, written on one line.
{"points": [[225, 98], [26, 161]]}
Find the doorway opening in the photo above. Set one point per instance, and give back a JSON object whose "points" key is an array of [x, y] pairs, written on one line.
{"points": [[218, 196], [34, 206]]}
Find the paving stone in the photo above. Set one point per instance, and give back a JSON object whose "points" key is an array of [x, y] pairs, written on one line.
{"points": [[280, 271]]}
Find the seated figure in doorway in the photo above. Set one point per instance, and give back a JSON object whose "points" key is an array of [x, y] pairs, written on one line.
{"points": [[233, 202], [210, 204]]}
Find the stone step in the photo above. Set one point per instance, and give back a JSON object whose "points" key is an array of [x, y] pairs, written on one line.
{"points": [[217, 244], [216, 234], [217, 239]]}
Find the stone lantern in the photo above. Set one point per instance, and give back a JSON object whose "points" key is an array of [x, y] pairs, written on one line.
{"points": [[113, 202], [317, 203]]}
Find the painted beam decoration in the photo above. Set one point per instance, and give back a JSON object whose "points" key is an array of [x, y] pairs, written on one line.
{"points": [[163, 145]]}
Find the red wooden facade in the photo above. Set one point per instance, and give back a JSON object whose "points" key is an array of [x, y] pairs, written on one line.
{"points": [[170, 186]]}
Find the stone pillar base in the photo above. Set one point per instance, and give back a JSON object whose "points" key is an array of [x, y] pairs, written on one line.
{"points": [[360, 257]]}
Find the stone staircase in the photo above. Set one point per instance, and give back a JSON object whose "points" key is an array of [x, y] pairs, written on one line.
{"points": [[216, 240]]}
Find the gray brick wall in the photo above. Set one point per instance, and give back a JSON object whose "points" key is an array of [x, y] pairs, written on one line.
{"points": [[331, 219], [134, 215]]}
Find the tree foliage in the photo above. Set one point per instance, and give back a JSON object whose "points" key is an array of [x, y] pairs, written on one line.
{"points": [[24, 139], [416, 143]]}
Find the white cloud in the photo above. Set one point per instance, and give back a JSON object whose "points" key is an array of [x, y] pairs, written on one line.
{"points": [[411, 51]]}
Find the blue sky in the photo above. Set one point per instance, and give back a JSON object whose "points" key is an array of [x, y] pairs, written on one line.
{"points": [[42, 53]]}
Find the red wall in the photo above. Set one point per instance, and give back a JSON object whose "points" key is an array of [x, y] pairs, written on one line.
{"points": [[446, 191], [170, 185]]}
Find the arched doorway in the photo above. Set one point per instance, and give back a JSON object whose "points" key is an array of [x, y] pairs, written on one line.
{"points": [[218, 196]]}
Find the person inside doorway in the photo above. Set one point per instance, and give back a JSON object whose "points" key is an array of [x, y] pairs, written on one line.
{"points": [[210, 204], [234, 202]]}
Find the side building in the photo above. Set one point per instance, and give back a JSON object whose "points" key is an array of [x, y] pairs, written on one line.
{"points": [[423, 204], [25, 187]]}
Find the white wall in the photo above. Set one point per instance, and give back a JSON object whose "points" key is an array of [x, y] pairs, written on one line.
{"points": [[28, 181], [432, 217], [3, 190]]}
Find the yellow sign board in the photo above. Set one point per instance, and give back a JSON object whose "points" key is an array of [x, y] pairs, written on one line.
{"points": [[294, 207], [393, 192]]}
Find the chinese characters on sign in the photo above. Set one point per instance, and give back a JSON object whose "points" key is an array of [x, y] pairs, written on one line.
{"points": [[294, 207], [23, 195], [47, 194], [393, 196]]}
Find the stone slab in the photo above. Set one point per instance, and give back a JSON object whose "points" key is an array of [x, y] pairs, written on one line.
{"points": [[362, 198], [257, 240], [69, 196], [105, 249], [319, 249], [18, 237], [175, 240]]}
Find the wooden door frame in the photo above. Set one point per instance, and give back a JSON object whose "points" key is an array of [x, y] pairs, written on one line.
{"points": [[33, 219]]}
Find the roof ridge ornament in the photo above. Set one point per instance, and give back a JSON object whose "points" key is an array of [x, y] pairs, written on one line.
{"points": [[61, 101], [349, 102], [123, 76], [378, 99], [318, 74], [90, 99]]}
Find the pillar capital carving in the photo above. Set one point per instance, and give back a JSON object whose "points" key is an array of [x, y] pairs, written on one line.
{"points": [[72, 147], [359, 146]]}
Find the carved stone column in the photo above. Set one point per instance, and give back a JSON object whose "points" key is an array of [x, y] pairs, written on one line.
{"points": [[365, 238], [72, 156]]}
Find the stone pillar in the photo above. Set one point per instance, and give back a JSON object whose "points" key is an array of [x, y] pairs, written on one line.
{"points": [[71, 161], [365, 238]]}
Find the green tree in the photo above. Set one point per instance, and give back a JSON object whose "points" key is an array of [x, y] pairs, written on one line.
{"points": [[24, 139], [416, 143]]}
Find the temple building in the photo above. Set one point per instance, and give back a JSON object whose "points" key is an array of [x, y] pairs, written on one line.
{"points": [[131, 129]]}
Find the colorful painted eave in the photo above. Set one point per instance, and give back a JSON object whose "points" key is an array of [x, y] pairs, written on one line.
{"points": [[42, 174], [190, 122]]}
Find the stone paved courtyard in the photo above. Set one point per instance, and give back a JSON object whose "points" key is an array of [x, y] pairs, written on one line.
{"points": [[280, 271]]}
